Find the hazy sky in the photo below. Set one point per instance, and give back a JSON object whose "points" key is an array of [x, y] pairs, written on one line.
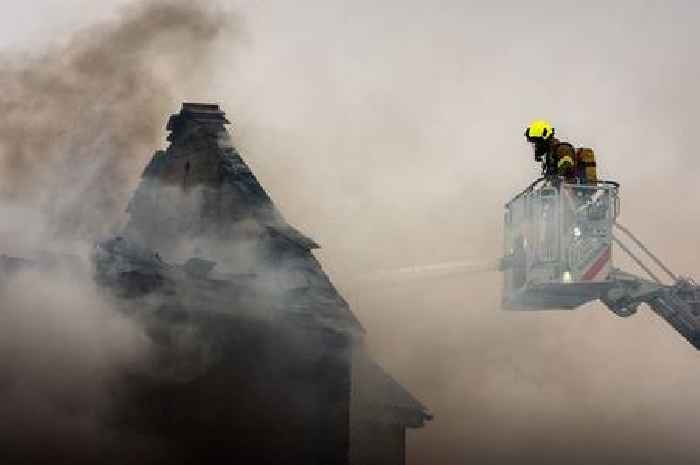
{"points": [[391, 132]]}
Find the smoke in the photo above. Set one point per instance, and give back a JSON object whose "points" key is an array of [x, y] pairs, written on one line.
{"points": [[392, 134], [62, 348], [80, 119]]}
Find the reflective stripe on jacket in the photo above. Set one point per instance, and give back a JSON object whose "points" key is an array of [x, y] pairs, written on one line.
{"points": [[563, 157]]}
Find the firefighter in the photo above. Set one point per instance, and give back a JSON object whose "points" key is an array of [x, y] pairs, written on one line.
{"points": [[558, 158]]}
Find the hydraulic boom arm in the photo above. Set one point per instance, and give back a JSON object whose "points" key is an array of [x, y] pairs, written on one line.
{"points": [[677, 303]]}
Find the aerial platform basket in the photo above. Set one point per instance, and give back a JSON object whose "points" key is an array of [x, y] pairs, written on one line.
{"points": [[558, 244], [559, 255]]}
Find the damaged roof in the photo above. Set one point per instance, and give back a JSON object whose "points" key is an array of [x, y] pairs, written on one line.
{"points": [[221, 199], [379, 389], [235, 208], [200, 112]]}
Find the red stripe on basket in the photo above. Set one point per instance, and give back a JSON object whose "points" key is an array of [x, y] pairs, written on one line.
{"points": [[597, 266]]}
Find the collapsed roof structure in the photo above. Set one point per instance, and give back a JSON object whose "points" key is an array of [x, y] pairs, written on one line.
{"points": [[260, 359]]}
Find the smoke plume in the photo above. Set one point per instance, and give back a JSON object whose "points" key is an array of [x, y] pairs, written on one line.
{"points": [[80, 119]]}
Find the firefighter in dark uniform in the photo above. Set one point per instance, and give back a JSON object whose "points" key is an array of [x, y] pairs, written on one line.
{"points": [[558, 158]]}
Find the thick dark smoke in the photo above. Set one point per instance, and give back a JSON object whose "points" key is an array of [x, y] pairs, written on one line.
{"points": [[80, 119]]}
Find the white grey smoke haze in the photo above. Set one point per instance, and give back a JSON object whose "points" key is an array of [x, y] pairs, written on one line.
{"points": [[61, 347], [79, 121], [80, 118], [391, 133]]}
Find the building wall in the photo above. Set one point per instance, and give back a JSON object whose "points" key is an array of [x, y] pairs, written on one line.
{"points": [[374, 443], [376, 437], [285, 386], [270, 394]]}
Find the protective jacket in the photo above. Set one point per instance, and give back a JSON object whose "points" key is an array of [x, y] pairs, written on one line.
{"points": [[560, 160]]}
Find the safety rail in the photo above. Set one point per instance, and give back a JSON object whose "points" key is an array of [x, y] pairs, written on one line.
{"points": [[639, 244], [559, 181], [559, 239]]}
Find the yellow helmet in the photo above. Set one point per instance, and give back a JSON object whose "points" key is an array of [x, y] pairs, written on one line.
{"points": [[539, 129]]}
